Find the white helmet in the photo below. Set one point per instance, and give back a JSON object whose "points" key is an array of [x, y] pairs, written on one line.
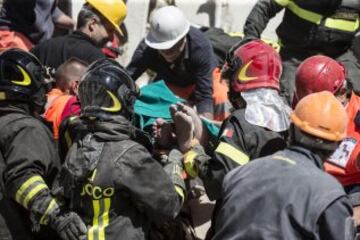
{"points": [[167, 26]]}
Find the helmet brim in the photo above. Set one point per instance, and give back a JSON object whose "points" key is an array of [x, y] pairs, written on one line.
{"points": [[117, 29], [152, 42], [306, 127]]}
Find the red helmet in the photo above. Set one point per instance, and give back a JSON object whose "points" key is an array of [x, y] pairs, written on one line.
{"points": [[319, 73], [253, 65]]}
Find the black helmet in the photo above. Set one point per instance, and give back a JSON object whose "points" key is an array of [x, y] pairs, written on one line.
{"points": [[107, 89], [22, 78]]}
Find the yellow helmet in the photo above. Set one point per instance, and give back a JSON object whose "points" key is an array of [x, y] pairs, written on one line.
{"points": [[113, 10]]}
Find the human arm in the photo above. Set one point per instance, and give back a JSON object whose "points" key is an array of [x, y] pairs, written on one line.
{"points": [[202, 67], [229, 153], [62, 20], [138, 63], [150, 188], [30, 160], [335, 222], [259, 17]]}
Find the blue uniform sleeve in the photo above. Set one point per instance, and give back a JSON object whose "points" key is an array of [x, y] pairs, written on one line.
{"points": [[138, 63], [204, 65]]}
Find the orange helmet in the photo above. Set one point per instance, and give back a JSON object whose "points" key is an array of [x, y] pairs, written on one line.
{"points": [[321, 115], [319, 73], [253, 65]]}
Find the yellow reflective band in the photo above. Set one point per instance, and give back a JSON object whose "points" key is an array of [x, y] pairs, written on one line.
{"points": [[285, 159], [96, 207], [305, 14], [93, 175], [189, 163], [2, 95], [45, 218], [344, 25], [105, 218], [68, 139], [180, 192], [233, 153], [236, 34], [282, 3], [33, 193], [26, 185], [100, 219]]}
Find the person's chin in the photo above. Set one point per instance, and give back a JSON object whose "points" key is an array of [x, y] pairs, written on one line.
{"points": [[102, 43], [170, 59]]}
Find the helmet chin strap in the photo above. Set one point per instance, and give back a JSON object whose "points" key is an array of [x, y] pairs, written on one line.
{"points": [[236, 99]]}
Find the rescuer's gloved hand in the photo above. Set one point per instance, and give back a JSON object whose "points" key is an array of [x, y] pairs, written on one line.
{"points": [[69, 226]]}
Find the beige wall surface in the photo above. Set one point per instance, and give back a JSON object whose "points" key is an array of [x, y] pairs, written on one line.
{"points": [[227, 14]]}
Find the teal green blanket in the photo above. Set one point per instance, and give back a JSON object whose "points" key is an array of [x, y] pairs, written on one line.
{"points": [[154, 102]]}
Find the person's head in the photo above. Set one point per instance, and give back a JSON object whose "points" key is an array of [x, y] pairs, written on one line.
{"points": [[319, 123], [168, 28], [100, 19], [107, 90], [68, 75], [251, 66], [22, 79], [321, 73]]}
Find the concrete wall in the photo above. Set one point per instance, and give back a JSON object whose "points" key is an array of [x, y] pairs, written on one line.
{"points": [[227, 14]]}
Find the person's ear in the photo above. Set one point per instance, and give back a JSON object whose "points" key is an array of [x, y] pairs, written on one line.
{"points": [[92, 23]]}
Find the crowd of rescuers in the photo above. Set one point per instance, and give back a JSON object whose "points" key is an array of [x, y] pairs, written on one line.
{"points": [[271, 136]]}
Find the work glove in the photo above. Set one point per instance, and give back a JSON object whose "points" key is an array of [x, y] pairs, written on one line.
{"points": [[69, 226]]}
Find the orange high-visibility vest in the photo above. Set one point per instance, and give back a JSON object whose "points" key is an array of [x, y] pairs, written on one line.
{"points": [[343, 164], [54, 108]]}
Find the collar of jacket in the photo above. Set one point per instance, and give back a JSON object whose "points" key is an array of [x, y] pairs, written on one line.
{"points": [[311, 156], [15, 107], [80, 35], [118, 128]]}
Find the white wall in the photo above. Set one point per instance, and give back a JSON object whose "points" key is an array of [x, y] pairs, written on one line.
{"points": [[227, 14]]}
